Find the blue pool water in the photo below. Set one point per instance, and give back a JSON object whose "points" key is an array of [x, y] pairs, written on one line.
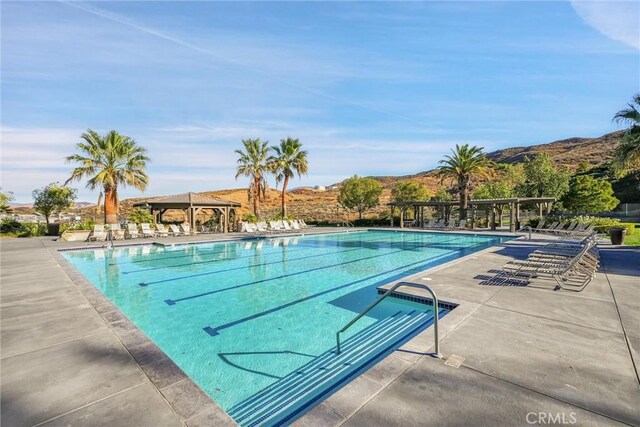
{"points": [[253, 323]]}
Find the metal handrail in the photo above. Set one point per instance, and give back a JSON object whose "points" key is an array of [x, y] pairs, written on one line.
{"points": [[386, 294]]}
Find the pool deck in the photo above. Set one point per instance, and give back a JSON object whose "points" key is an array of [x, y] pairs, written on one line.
{"points": [[69, 357]]}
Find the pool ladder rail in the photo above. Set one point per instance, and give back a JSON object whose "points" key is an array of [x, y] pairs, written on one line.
{"points": [[388, 293]]}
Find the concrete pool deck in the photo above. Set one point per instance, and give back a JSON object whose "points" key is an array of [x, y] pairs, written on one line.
{"points": [[69, 358]]}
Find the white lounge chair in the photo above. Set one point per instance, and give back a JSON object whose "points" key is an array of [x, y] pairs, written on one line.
{"points": [[451, 225], [261, 227], [174, 230], [98, 233], [285, 224], [161, 230], [186, 229], [132, 231], [462, 225], [274, 226], [302, 223], [117, 233], [147, 231], [295, 225]]}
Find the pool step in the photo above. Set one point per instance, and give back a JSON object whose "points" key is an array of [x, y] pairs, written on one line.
{"points": [[277, 404]]}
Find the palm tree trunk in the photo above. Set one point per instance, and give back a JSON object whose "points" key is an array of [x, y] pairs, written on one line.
{"points": [[464, 203], [256, 197], [110, 206], [284, 196]]}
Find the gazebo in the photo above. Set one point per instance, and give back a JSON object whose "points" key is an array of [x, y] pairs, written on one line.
{"points": [[192, 204], [514, 204]]}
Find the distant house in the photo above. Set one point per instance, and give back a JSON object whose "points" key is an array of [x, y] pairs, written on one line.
{"points": [[320, 188]]}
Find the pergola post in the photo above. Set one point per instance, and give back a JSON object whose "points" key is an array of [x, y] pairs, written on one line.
{"points": [[402, 218], [517, 214], [226, 220], [493, 217], [540, 210], [421, 216], [512, 218], [473, 216]]}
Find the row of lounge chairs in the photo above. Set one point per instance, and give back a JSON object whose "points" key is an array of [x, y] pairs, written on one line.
{"points": [[273, 226], [559, 228], [571, 263], [449, 225], [132, 231]]}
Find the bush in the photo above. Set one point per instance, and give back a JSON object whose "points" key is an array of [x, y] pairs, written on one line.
{"points": [[140, 216], [23, 229], [87, 224], [249, 217]]}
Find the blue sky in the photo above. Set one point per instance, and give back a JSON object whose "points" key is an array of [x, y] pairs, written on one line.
{"points": [[375, 88]]}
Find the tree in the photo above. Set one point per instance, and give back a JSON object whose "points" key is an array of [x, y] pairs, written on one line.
{"points": [[5, 198], [109, 162], [54, 198], [542, 178], [462, 166], [255, 163], [494, 190], [590, 195], [626, 158], [289, 159], [408, 191], [360, 194], [442, 195]]}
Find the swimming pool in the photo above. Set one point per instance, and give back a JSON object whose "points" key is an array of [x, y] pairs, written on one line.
{"points": [[253, 323]]}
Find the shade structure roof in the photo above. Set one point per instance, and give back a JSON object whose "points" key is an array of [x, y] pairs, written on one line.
{"points": [[506, 201], [187, 200]]}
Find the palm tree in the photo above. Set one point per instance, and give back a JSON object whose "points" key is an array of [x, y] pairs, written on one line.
{"points": [[110, 161], [461, 166], [255, 163], [626, 158], [289, 160]]}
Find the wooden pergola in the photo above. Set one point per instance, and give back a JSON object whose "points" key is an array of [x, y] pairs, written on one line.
{"points": [[192, 204], [544, 205]]}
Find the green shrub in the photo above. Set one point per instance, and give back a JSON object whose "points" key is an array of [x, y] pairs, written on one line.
{"points": [[139, 216], [249, 217], [30, 229], [87, 224], [10, 226]]}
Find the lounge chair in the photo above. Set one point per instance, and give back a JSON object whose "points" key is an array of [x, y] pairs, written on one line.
{"points": [[430, 224], [462, 225], [117, 233], [132, 231], [302, 223], [186, 229], [99, 234], [285, 224], [295, 225], [451, 225], [147, 231], [572, 264], [161, 230], [261, 227], [438, 225], [248, 227], [274, 226], [175, 230]]}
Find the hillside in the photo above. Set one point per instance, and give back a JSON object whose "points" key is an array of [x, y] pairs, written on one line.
{"points": [[323, 205]]}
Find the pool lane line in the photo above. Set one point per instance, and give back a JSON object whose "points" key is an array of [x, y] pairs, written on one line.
{"points": [[280, 253], [282, 276], [215, 272], [244, 267], [239, 243], [213, 331]]}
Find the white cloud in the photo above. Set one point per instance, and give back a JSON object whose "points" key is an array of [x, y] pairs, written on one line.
{"points": [[618, 20]]}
